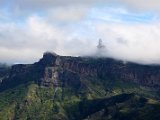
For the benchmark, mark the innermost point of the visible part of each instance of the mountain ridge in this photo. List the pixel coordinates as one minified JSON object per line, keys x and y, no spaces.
{"x":64,"y":87}
{"x":147,"y":75}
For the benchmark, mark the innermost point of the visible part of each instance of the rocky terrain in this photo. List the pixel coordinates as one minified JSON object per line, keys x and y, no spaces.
{"x":75,"y":88}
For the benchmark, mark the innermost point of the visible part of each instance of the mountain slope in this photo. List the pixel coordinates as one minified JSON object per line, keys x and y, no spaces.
{"x":75,"y":88}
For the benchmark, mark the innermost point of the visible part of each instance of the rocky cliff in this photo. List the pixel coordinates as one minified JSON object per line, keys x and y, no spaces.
{"x":55,"y":70}
{"x":104,"y":68}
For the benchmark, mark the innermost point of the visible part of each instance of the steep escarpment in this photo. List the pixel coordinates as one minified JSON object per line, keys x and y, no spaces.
{"x":53,"y":70}
{"x":108,"y":68}
{"x":104,"y":68}
{"x":75,"y":88}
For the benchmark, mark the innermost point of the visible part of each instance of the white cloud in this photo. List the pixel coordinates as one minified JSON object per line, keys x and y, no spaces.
{"x":67,"y":13}
{"x":67,"y":28}
{"x":24,"y":55}
{"x":29,"y":40}
{"x":27,"y":43}
{"x":133,"y":42}
{"x":150,"y":5}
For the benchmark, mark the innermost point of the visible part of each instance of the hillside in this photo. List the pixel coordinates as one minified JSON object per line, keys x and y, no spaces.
{"x":77,"y":88}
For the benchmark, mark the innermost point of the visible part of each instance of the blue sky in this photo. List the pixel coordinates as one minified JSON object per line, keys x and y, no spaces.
{"x":72,"y":27}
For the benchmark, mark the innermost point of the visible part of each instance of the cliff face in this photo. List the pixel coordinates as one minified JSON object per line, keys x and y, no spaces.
{"x":105,"y":68}
{"x":72,"y":68}
{"x":54,"y":70}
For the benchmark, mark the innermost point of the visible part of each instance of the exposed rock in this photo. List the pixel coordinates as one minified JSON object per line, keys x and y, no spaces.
{"x":54,"y":70}
{"x":57,"y":77}
{"x":48,"y":59}
{"x":51,"y":77}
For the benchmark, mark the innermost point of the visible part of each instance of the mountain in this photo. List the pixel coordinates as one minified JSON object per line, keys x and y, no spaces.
{"x":76,"y":88}
{"x":4,"y":70}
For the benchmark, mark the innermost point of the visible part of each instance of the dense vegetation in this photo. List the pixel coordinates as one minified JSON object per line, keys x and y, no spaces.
{"x":69,"y":88}
{"x":100,"y":99}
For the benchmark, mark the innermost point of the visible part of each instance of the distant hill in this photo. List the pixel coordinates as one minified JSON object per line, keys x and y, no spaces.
{"x":77,"y":88}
